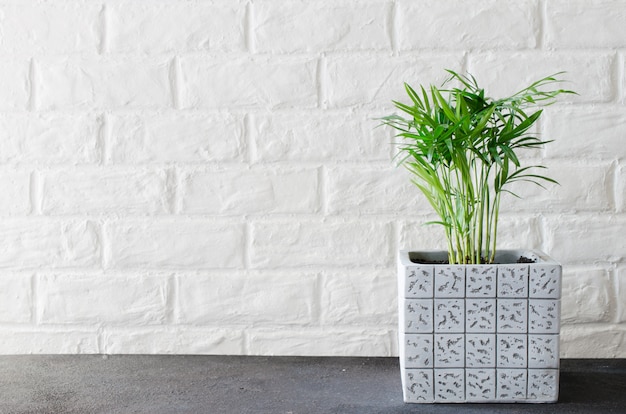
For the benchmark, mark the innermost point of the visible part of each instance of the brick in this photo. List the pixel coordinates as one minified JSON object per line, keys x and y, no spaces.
{"x":370,"y":190}
{"x":582,"y":187}
{"x":585,"y":238}
{"x":47,"y":340}
{"x":585,"y":24}
{"x":473,"y":24}
{"x":248,"y":82}
{"x":49,"y":138}
{"x":43,"y":243}
{"x":101,"y":298}
{"x":597,"y":341}
{"x":105,"y":190}
{"x":173,"y":138}
{"x":186,"y":340}
{"x":358,"y":298}
{"x":586,"y":296}
{"x":374,"y":81}
{"x":319,"y":136}
{"x":251,"y":191}
{"x":319,"y":243}
{"x":156,"y":27}
{"x":15,"y":85}
{"x":514,"y":231}
{"x":15,"y":198}
{"x":35,"y":28}
{"x":373,"y":341}
{"x":16,"y":298}
{"x":224,"y":299}
{"x":620,"y":292}
{"x":590,"y":74}
{"x":301,"y":26}
{"x":620,"y":188}
{"x":174,"y":243}
{"x":594,"y":132}
{"x":73,"y":83}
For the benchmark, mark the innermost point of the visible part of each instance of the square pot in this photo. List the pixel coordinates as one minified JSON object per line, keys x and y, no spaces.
{"x":479,"y":333}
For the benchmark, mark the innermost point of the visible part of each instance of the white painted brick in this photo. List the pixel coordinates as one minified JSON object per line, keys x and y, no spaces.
{"x":359,"y":298}
{"x":251,"y":191}
{"x":592,"y":341}
{"x":50,"y":27}
{"x":590,"y":74}
{"x":15,"y":86}
{"x":620,"y":189}
{"x":374,"y":81}
{"x":15,"y":196}
{"x":585,"y":238}
{"x":586,"y":296}
{"x":172,"y":138}
{"x":42,"y":243}
{"x":373,"y":341}
{"x":585,"y":24}
{"x":514,"y":232}
{"x":620,"y":292}
{"x":320,"y":137}
{"x":253,"y":299}
{"x":47,"y":340}
{"x":458,"y":24}
{"x":174,"y":243}
{"x":49,"y":138}
{"x":582,"y":187}
{"x":294,"y":244}
{"x":73,"y":83}
{"x":302,"y":26}
{"x":248,"y":82}
{"x":101,"y":299}
{"x":16,"y":298}
{"x":589,"y":132}
{"x":173,"y":340}
{"x":104,"y":190}
{"x":371,"y":190}
{"x":175,"y":27}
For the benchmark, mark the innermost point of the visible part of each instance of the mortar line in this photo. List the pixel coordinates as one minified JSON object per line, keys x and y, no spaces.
{"x":392,"y":24}
{"x":36,"y":193}
{"x":247,"y":28}
{"x":104,"y":46}
{"x":33,"y":98}
{"x":175,"y":83}
{"x":322,"y":98}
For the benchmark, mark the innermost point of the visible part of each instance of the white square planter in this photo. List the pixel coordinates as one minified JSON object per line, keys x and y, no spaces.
{"x":479,"y":333}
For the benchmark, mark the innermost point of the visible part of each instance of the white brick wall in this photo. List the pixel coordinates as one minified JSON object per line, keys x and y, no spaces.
{"x":205,"y":176}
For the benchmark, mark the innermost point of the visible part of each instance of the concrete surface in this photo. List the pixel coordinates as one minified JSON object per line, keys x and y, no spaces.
{"x":230,"y":384}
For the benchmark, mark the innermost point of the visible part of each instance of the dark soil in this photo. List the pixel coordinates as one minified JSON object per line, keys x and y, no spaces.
{"x":522,"y":259}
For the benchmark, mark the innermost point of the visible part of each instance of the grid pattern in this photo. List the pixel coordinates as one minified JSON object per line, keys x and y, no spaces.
{"x":481,"y":333}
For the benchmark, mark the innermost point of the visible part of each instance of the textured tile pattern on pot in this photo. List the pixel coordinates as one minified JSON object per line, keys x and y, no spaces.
{"x":512,"y":315}
{"x":480,"y":384}
{"x":419,"y":385}
{"x":449,"y":385}
{"x":419,"y":282}
{"x":419,"y":350}
{"x":449,"y":281}
{"x":511,"y":384}
{"x":449,"y":315}
{"x":480,"y":315}
{"x":543,"y":384}
{"x":511,"y":350}
{"x":545,"y":281}
{"x":513,"y":281}
{"x":480,"y":350}
{"x":418,"y":315}
{"x":449,"y":351}
{"x":543,"y":351}
{"x":480,"y":281}
{"x":543,"y":316}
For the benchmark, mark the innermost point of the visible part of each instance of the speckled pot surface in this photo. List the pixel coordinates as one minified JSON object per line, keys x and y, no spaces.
{"x":479,"y":333}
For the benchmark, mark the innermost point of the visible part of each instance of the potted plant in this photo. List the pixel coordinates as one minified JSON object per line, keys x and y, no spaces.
{"x":476,"y":324}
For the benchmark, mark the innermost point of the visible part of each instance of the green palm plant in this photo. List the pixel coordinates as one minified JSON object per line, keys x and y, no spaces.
{"x":461,"y":148}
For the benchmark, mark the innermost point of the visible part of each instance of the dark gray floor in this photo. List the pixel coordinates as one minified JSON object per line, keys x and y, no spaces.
{"x":224,"y":385}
